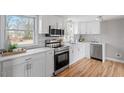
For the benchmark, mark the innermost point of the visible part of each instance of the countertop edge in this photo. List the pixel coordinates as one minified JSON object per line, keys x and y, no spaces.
{"x":29,"y":52}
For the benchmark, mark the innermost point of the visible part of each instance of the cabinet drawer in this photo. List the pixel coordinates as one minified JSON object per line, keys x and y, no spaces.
{"x":17,"y":61}
{"x":24,"y":59}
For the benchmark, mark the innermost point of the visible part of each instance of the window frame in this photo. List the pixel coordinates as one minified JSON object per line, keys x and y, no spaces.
{"x":35,"y":32}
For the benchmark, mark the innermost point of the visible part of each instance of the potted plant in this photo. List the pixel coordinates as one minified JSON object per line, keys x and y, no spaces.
{"x":11,"y":47}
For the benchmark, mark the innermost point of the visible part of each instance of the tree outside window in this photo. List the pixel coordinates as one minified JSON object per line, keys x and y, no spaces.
{"x":20,"y":29}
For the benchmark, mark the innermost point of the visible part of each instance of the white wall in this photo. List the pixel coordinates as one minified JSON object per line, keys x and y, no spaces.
{"x":112,"y":32}
{"x":113,"y":35}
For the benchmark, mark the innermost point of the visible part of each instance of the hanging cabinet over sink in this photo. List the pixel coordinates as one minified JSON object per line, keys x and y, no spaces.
{"x":92,"y":27}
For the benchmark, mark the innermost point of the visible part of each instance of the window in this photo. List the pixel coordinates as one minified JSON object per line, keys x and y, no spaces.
{"x":21,"y":30}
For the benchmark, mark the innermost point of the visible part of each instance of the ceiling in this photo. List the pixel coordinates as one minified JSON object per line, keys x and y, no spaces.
{"x":92,"y":17}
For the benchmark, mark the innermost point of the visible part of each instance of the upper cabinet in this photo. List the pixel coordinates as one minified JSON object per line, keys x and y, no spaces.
{"x":43,"y":24}
{"x":75,"y":27}
{"x":46,"y":20}
{"x":82,"y":28}
{"x":92,"y":27}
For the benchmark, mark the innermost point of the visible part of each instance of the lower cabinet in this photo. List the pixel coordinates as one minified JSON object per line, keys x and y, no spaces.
{"x":14,"y":68}
{"x":79,"y":51}
{"x":0,"y":70}
{"x":71,"y":55}
{"x":49,"y":64}
{"x":76,"y":52}
{"x":87,"y":50}
{"x":36,"y":65}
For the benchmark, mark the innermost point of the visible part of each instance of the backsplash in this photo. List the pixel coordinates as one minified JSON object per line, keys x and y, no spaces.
{"x":42,"y":38}
{"x":89,"y":37}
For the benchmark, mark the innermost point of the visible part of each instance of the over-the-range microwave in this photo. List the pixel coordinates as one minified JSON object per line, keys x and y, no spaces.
{"x":55,"y":32}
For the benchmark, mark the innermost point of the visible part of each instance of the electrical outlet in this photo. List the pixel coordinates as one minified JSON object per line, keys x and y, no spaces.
{"x":118,"y":55}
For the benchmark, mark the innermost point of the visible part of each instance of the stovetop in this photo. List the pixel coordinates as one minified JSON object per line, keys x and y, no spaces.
{"x":63,"y":47}
{"x":57,"y":44}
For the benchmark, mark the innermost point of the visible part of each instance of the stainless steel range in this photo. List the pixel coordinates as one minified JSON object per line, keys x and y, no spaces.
{"x":61,"y":55}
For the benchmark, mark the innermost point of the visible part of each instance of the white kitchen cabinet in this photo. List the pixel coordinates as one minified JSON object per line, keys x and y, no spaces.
{"x":28,"y":66}
{"x":46,"y":20}
{"x":93,"y":27}
{"x":38,"y":65}
{"x":77,"y":52}
{"x":43,"y":24}
{"x":81,"y":50}
{"x":0,"y":70}
{"x":71,"y":55}
{"x":87,"y":50}
{"x":49,"y":63}
{"x":75,"y":28}
{"x":14,"y":68}
{"x":82,"y":28}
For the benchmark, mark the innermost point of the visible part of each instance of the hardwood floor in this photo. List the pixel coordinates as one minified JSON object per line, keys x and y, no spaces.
{"x":93,"y":68}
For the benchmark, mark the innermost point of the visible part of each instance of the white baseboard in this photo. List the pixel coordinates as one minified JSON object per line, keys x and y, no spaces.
{"x":113,"y":59}
{"x":108,"y":58}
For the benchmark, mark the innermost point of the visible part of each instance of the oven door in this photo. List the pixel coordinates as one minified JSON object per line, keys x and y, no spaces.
{"x":58,"y":32}
{"x":61,"y":60}
{"x":62,"y":32}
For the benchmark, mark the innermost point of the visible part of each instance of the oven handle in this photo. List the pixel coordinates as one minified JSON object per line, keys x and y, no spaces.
{"x":61,"y":52}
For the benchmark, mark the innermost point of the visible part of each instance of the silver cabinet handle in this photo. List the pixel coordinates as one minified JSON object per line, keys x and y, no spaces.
{"x":28,"y":59}
{"x":28,"y":66}
{"x":29,"y":69}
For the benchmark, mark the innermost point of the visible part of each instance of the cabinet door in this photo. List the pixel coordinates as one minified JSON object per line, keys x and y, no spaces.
{"x":87,"y":50}
{"x":0,"y":70}
{"x":43,"y":24}
{"x":82,"y":28}
{"x":12,"y":69}
{"x":76,"y":53}
{"x":38,"y":65}
{"x":81,"y":50}
{"x":49,"y":63}
{"x":75,"y":28}
{"x":96,"y":28}
{"x":89,"y":28}
{"x":93,"y":27}
{"x":71,"y":55}
{"x":46,"y":20}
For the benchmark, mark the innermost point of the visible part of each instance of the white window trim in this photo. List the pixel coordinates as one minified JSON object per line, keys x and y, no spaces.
{"x":2,"y":32}
{"x":35,"y":35}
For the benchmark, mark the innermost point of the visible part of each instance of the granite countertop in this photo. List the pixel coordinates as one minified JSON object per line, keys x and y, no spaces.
{"x":28,"y":52}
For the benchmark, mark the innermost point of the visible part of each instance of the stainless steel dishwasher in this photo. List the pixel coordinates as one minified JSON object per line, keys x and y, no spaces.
{"x":96,"y":51}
